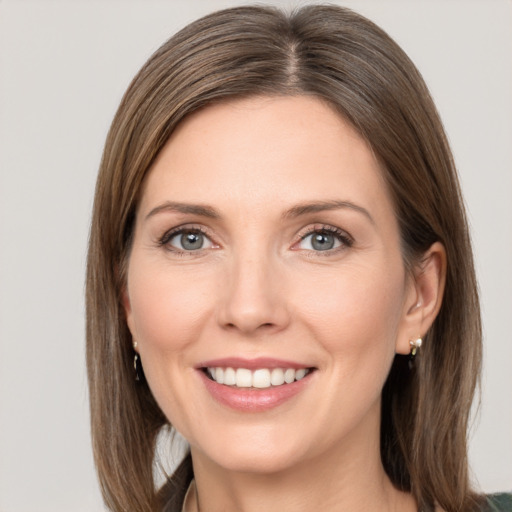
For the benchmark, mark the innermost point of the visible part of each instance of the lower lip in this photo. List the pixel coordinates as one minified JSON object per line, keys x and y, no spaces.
{"x":253,"y":399}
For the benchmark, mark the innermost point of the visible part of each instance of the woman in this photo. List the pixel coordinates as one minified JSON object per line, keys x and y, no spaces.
{"x":279,"y":247}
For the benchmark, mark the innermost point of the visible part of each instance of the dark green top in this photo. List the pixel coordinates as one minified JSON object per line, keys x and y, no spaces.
{"x":499,"y":502}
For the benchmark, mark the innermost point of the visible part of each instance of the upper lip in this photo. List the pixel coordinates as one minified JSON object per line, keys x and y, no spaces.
{"x":251,"y":364}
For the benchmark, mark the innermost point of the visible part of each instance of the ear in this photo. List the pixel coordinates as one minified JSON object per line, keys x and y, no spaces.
{"x":424,"y":297}
{"x":125,"y":299}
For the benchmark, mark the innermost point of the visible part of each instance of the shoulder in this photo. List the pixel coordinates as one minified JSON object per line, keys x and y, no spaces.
{"x":501,"y":502}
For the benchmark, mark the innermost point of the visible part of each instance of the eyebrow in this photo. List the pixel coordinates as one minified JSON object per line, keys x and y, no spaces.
{"x":295,"y":211}
{"x":320,"y":206}
{"x":194,"y":209}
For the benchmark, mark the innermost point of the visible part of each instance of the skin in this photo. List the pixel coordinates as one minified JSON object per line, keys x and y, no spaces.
{"x":258,"y":288}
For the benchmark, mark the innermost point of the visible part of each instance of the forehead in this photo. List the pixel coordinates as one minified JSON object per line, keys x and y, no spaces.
{"x":266,"y":151}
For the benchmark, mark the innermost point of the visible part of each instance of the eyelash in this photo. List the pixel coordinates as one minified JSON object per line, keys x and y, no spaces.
{"x":180,"y":230}
{"x":346,"y":241}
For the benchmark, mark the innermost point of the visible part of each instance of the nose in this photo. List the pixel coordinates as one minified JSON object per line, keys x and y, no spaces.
{"x":254,"y":297}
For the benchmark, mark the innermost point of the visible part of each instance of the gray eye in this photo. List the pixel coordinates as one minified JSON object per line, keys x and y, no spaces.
{"x":320,"y":241}
{"x":190,"y":241}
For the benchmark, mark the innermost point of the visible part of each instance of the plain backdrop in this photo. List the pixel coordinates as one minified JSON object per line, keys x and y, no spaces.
{"x":63,"y":68}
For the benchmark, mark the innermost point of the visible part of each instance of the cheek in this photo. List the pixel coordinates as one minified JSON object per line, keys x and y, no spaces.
{"x":354,"y":311}
{"x":167,"y":307}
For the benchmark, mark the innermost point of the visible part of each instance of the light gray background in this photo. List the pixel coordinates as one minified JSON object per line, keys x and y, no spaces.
{"x":63,"y":68}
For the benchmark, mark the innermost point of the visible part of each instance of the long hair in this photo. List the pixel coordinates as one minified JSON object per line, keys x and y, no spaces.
{"x":347,"y":61}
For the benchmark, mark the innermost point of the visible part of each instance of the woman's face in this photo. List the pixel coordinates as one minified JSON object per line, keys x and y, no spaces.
{"x":266,"y":248}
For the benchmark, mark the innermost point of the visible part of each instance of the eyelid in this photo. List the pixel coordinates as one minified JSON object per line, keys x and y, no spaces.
{"x":343,"y":236}
{"x":346,"y":240}
{"x":186,"y":228}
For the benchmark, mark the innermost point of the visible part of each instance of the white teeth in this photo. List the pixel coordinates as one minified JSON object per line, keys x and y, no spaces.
{"x":289,"y":375}
{"x":219,"y":375}
{"x":261,"y":378}
{"x":229,"y":377}
{"x":300,"y":374}
{"x":243,"y":378}
{"x":277,"y":377}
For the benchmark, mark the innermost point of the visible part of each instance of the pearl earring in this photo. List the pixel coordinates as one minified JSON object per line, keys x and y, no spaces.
{"x":415,"y":345}
{"x":137,"y":364}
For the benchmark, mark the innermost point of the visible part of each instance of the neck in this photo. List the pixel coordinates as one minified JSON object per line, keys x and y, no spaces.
{"x":349,"y":477}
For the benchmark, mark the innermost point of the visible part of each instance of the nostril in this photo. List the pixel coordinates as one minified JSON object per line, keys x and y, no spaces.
{"x":266,"y":325}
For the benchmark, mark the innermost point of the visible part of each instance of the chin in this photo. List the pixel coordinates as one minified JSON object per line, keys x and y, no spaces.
{"x":256,"y":463}
{"x":253,"y":453}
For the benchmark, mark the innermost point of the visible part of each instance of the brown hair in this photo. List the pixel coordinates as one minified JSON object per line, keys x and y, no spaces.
{"x":334,"y":54}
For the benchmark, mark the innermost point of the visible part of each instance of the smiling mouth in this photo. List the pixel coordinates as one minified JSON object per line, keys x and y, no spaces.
{"x":261,"y":378}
